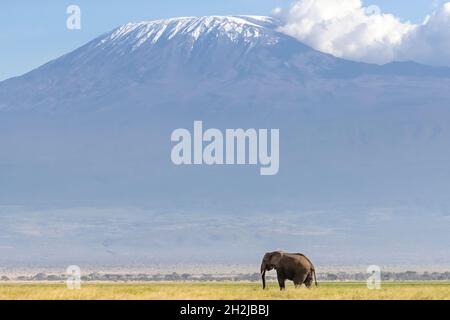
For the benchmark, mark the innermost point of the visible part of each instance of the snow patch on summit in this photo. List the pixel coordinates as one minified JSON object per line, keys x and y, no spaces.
{"x":234,"y":28}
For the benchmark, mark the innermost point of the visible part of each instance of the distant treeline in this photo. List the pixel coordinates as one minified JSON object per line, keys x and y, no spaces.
{"x":340,"y":276}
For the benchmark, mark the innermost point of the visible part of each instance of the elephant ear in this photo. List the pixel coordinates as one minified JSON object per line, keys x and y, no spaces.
{"x":275,"y":258}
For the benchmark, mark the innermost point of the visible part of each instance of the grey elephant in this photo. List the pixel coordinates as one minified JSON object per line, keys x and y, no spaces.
{"x":289,"y":266}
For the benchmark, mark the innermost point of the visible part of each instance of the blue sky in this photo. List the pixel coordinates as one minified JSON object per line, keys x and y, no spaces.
{"x":32,"y":33}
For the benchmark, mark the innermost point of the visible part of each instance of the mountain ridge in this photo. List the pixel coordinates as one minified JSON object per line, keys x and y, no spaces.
{"x":248,"y":50}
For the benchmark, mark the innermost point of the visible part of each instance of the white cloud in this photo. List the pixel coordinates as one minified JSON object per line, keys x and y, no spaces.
{"x":430,"y":42}
{"x":347,"y":29}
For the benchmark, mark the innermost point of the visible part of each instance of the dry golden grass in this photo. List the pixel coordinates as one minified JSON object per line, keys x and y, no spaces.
{"x":222,"y":291}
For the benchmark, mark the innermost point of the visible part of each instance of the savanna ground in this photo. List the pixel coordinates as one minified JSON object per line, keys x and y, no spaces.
{"x":223,"y":291}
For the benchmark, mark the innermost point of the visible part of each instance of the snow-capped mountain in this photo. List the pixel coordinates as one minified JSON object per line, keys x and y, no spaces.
{"x":195,"y":56}
{"x":363,"y":158}
{"x":149,"y":56}
{"x":234,"y":29}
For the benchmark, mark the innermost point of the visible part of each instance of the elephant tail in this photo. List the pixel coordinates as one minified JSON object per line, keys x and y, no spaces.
{"x":315,"y":278}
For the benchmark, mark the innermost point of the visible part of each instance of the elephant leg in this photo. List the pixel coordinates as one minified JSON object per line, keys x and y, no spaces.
{"x":308,"y":281}
{"x":281,"y":281}
{"x":299,"y":280}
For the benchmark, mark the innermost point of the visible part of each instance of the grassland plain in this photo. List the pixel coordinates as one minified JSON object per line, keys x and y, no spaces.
{"x":224,"y":291}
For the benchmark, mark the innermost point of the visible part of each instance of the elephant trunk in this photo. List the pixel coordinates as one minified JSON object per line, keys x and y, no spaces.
{"x":263,"y":275}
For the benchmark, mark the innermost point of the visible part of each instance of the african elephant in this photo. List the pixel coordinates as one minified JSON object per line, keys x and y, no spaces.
{"x":289,"y":266}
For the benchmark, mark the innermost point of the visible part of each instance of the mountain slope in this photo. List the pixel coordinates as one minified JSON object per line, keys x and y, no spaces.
{"x":199,"y":55}
{"x":143,"y":54}
{"x":85,"y":166}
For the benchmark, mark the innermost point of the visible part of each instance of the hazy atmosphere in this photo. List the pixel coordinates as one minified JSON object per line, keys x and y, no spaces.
{"x":357,"y":89}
